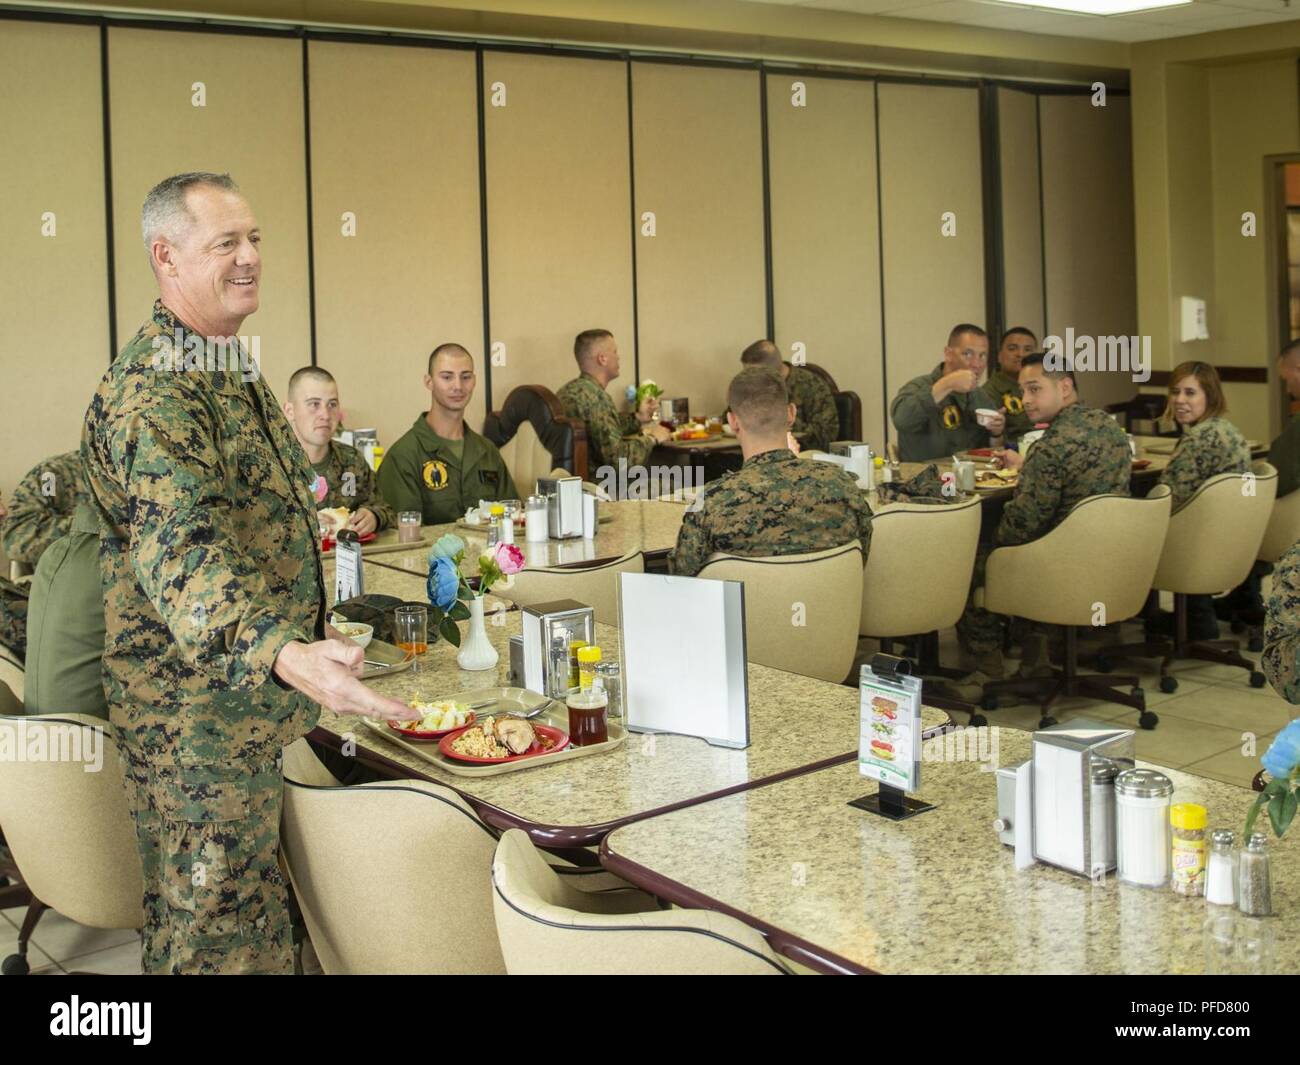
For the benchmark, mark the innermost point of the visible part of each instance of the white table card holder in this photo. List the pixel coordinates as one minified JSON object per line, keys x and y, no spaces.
{"x":682,"y":649}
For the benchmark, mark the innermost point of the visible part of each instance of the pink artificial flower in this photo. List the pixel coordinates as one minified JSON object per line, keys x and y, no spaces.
{"x":509,"y":558}
{"x":320,"y":488}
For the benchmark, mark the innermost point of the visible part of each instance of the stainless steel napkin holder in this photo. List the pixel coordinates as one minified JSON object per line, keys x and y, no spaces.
{"x":547,"y":631}
{"x":563,"y":506}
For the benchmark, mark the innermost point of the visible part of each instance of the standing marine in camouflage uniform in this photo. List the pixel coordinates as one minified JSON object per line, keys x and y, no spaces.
{"x":311,"y":406}
{"x":215,"y":654}
{"x":775,"y":504}
{"x":1281,"y":659}
{"x":440,"y":466}
{"x":1003,"y":387}
{"x":934,"y":414}
{"x":611,"y":436}
{"x":816,"y":421}
{"x":42,"y":507}
{"x":13,"y":611}
{"x":1083,"y":453}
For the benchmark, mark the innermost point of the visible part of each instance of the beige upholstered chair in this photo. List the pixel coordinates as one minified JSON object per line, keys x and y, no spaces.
{"x":545,"y":927}
{"x":1283,"y":528}
{"x":1212,"y":543}
{"x":826,"y":585}
{"x":596,"y":586}
{"x":1104,"y":553}
{"x":391,"y":877}
{"x":901,"y":598}
{"x":527,"y":458}
{"x":68,"y":826}
{"x":12,"y":674}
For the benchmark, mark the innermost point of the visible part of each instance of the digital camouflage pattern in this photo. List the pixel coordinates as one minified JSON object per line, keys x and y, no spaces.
{"x":1205,"y":449}
{"x":13,"y":619}
{"x":42,"y":506}
{"x":215,"y":900}
{"x":816,"y":421}
{"x":1004,"y":394}
{"x":1281,"y":659}
{"x":775,"y":504}
{"x":927,"y":431}
{"x":210,"y":564}
{"x":1284,"y":456}
{"x":1083,"y":453}
{"x":610,"y":435}
{"x":425,"y":472}
{"x":351,"y":483}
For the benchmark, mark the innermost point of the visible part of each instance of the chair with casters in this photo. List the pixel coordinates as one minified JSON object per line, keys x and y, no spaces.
{"x":1283,"y":530}
{"x":545,"y":927}
{"x":69,"y":830}
{"x":900,"y":597}
{"x":535,"y":436}
{"x":1103,"y":554}
{"x":1212,"y":543}
{"x":595,"y":585}
{"x":828,"y":585}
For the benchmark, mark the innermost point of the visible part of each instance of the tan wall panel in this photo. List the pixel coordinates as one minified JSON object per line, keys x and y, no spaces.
{"x":252,"y":127}
{"x":929,"y":164}
{"x":1088,"y":228}
{"x":700,"y":280}
{"x":559,"y":236}
{"x":1022,"y":220}
{"x":826,"y":233}
{"x":394,"y":140}
{"x":54,"y":329}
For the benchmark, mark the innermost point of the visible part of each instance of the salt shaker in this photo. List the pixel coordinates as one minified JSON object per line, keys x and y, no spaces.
{"x":1142,"y":826}
{"x":1254,"y":887}
{"x":1221,"y":878}
{"x":535,"y":520}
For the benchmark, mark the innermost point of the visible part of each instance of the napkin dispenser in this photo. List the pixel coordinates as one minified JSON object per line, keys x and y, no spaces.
{"x":548,"y":630}
{"x":563,"y":506}
{"x":860,"y":456}
{"x":1063,"y":797}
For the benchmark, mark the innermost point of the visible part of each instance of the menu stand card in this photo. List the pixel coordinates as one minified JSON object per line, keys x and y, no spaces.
{"x":687,"y":678}
{"x":889,"y":738}
{"x":348,"y":579}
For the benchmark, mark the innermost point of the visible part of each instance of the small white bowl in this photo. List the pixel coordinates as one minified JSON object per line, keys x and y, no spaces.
{"x":356,"y":631}
{"x":984,"y":415}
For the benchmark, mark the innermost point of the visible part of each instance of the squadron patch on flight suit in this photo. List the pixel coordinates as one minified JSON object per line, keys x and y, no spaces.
{"x":951,"y":417}
{"x":1012,"y":403}
{"x":435,"y":475}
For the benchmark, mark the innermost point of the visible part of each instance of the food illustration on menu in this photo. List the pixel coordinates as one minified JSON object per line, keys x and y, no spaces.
{"x":885,"y":750}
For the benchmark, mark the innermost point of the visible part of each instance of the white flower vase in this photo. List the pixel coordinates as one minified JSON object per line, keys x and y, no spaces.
{"x":476,"y":651}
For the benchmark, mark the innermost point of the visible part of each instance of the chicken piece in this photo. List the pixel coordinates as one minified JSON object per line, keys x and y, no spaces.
{"x":515,"y":734}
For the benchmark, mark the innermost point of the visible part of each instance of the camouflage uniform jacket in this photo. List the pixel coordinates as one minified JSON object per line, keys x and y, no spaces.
{"x":927,"y":431}
{"x":775,"y":504}
{"x":1207,"y":448}
{"x":209,"y":557}
{"x":610,"y":436}
{"x":1083,"y":453}
{"x":351,"y":483}
{"x":816,"y":421}
{"x":42,"y":507}
{"x":1004,"y":394}
{"x":1281,"y":659}
{"x":1285,"y":457}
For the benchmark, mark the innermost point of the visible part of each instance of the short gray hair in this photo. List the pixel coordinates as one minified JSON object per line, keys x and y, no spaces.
{"x":164,"y":209}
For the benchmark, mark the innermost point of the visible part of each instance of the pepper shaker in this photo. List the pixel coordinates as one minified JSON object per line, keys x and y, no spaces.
{"x":1254,"y":886}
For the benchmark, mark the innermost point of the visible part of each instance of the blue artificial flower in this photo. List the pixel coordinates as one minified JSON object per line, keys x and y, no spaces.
{"x":448,"y":546}
{"x":1283,"y":755}
{"x":443,"y":583}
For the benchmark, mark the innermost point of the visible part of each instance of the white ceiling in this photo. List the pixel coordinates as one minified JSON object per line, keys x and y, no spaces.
{"x":1202,"y":16}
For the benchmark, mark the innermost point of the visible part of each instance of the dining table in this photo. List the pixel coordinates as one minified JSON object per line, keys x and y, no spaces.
{"x":797,"y":725}
{"x":842,"y":890}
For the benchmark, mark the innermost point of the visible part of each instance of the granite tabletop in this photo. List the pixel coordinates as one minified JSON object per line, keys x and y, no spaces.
{"x":795,"y":722}
{"x":638,"y":525}
{"x":938,"y":893}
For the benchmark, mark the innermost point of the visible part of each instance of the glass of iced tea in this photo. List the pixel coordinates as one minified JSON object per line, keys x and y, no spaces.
{"x":587,"y":708}
{"x":411,"y":627}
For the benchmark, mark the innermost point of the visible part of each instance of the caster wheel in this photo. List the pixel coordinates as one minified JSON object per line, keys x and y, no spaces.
{"x":978,"y":721}
{"x":1256,"y":644}
{"x":1104,"y":664}
{"x":1168,"y":684}
{"x":1148,"y":720}
{"x":989,"y":701}
{"x":1237,"y":626}
{"x":15,"y":965}
{"x":1257,"y":679}
{"x":1046,"y":721}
